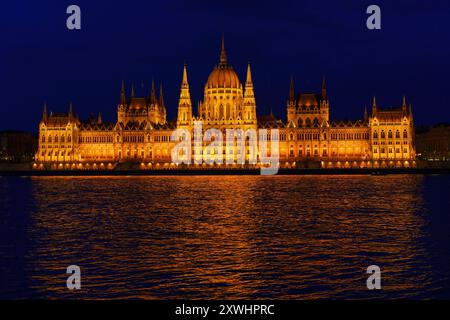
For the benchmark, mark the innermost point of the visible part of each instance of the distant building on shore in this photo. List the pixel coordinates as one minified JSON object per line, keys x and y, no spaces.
{"x":382,"y":138}
{"x":433,"y":144}
{"x":17,"y":146}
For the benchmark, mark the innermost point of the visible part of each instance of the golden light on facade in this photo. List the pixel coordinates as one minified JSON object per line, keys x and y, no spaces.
{"x":307,"y":133}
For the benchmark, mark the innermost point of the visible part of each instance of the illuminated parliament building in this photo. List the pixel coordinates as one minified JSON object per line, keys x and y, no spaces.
{"x":142,"y":133}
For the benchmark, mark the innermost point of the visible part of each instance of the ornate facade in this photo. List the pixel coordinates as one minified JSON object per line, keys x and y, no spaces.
{"x":142,"y":134}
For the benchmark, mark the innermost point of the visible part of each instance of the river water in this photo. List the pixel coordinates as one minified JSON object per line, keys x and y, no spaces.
{"x":225,"y":237}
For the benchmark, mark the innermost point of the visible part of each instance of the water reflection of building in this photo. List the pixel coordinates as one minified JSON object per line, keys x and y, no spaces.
{"x":142,"y":133}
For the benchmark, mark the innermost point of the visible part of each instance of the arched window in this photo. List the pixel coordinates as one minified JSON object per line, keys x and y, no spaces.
{"x":375,"y":134}
{"x":397,"y":134}
{"x":50,"y":139}
{"x":56,"y":139}
{"x":390,"y":134}
{"x":405,"y":134}
{"x":291,"y":137}
{"x":316,"y":121}
{"x":308,"y":122}
{"x":43,"y":138}
{"x":62,"y":139}
{"x":300,"y":122}
{"x":69,"y":138}
{"x":383,"y":135}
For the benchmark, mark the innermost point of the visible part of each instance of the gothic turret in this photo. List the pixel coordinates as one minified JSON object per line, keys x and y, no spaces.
{"x":324,"y":90}
{"x":123,"y":99}
{"x":122,"y":104}
{"x":44,"y":113}
{"x":70,"y":113}
{"x":249,"y":98}
{"x":162,"y":106}
{"x":153,"y":94}
{"x":374,"y":106}
{"x":291,"y":102}
{"x":184,"y":104}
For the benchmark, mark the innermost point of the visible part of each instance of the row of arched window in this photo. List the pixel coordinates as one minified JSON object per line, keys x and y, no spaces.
{"x":133,"y":139}
{"x":308,"y":122}
{"x":390,"y":134}
{"x":95,"y":139}
{"x":55,"y":139}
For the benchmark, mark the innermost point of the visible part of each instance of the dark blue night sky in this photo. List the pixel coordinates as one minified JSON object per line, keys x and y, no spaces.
{"x":41,"y":60}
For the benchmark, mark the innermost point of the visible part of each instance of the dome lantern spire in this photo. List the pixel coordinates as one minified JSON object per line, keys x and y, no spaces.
{"x":223,"y":54}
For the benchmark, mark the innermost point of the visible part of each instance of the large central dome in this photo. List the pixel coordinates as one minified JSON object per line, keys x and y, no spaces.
{"x":223,"y":75}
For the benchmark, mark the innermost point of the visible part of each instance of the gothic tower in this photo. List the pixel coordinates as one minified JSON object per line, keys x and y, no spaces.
{"x":249,"y":99}
{"x":291,"y":112}
{"x":184,"y":104}
{"x":122,"y":105}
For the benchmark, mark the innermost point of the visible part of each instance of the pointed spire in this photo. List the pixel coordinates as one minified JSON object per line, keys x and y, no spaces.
{"x":153,"y":94}
{"x":404,"y":107}
{"x":185,"y":97}
{"x":223,"y":54}
{"x":161,"y":96}
{"x":291,"y":90}
{"x":122,"y":94}
{"x":184,"y":82}
{"x":184,"y":103}
{"x":249,"y":75}
{"x":70,"y":109}
{"x":374,"y":106}
{"x":249,"y":95}
{"x":324,"y":89}
{"x":366,"y":115}
{"x":44,"y":113}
